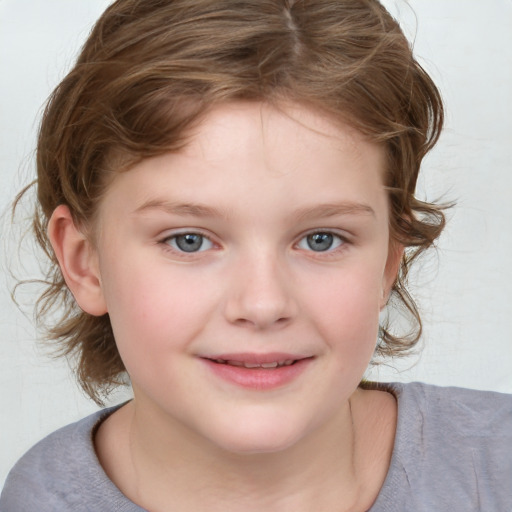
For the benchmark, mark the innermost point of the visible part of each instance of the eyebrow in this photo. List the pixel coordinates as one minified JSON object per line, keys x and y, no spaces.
{"x":320,"y":211}
{"x":196,"y":210}
{"x":323,"y":211}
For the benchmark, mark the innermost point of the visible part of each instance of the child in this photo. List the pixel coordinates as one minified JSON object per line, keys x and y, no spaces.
{"x":226,"y":191}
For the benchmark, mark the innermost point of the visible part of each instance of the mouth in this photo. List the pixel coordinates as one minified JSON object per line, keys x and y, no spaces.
{"x":258,"y":371}
{"x":254,"y":365}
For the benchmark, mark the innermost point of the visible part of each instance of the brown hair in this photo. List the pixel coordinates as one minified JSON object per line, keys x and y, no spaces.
{"x":152,"y":68}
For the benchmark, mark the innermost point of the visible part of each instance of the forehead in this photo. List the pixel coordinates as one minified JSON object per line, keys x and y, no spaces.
{"x":255,"y":156}
{"x":260,"y":129}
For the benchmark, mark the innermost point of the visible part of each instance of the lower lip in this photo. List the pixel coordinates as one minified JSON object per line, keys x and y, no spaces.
{"x":258,"y":378}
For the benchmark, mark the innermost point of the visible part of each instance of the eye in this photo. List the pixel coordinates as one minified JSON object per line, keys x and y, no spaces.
{"x":189,"y":242}
{"x":321,"y":241}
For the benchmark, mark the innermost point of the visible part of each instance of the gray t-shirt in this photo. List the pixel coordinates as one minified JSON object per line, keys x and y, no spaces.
{"x":453,"y":452}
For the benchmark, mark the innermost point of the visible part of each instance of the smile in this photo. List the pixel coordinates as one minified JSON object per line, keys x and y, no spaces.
{"x":251,"y":366}
{"x":258,"y":372}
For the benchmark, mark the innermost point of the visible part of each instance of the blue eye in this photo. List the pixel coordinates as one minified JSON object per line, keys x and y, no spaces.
{"x":321,"y":241}
{"x":189,"y":242}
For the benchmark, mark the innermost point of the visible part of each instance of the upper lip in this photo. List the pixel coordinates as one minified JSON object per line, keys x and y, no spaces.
{"x":254,"y":358}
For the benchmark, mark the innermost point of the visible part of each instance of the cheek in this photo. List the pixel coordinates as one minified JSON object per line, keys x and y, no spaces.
{"x":347,"y":308}
{"x":153,"y":307}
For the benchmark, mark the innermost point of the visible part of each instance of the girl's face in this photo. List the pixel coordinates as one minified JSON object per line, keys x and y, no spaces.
{"x":244,"y":275}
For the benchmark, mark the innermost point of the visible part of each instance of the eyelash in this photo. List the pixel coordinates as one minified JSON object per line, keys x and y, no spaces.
{"x":170,"y":243}
{"x":338,"y":241}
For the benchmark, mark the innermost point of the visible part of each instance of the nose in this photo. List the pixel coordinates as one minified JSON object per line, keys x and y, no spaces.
{"x":261,"y":294}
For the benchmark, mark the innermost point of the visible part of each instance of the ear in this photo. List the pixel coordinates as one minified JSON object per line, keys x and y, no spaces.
{"x":78,"y":261}
{"x":395,"y":253}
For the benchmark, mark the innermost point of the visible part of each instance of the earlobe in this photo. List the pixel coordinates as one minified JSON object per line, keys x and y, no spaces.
{"x":395,"y":254}
{"x":78,"y":261}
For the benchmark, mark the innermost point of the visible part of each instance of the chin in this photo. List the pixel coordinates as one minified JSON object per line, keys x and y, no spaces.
{"x":259,"y":437}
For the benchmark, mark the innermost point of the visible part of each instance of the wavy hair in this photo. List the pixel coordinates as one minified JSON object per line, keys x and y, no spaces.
{"x":150,"y":69}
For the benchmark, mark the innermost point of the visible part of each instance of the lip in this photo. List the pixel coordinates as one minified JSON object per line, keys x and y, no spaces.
{"x":258,"y":378}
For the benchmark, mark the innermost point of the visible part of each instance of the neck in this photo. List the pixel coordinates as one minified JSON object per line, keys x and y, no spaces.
{"x":327,"y":470}
{"x":339,"y":467}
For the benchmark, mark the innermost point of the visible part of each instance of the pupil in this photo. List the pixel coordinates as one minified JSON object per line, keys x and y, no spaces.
{"x":320,"y":241}
{"x":189,"y":242}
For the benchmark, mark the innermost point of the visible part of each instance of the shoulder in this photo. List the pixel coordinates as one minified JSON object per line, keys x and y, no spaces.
{"x":61,"y":472}
{"x":451,"y":415}
{"x":445,"y":420}
{"x":453,"y":448}
{"x":465,"y":412}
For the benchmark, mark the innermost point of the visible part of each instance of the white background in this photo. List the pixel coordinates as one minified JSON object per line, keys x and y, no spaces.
{"x":465,"y":290}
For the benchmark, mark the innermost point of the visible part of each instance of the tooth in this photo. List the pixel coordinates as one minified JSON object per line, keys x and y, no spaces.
{"x":273,"y":364}
{"x":252,"y":365}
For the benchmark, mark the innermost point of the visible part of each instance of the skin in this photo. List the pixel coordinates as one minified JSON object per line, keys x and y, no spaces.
{"x":254,"y":182}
